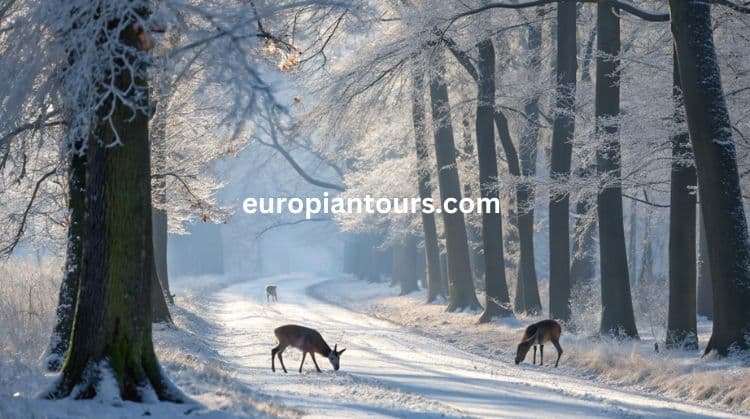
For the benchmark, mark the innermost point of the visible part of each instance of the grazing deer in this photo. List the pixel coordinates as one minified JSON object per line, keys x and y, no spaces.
{"x":271,"y":292}
{"x":539,"y":334}
{"x":306,"y":340}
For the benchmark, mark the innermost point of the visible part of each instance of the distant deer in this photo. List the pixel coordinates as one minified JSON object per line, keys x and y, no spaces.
{"x":306,"y":340}
{"x":539,"y":334}
{"x":271,"y":292}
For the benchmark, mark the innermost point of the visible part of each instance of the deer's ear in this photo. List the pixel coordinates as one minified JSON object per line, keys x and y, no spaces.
{"x":341,"y":351}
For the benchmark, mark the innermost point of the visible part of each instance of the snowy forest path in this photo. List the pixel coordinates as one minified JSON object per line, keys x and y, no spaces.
{"x":389,"y":371}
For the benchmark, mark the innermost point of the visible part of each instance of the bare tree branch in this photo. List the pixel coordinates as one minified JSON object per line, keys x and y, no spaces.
{"x":8,"y":249}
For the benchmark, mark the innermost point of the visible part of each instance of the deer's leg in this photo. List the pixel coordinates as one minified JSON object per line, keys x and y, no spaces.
{"x":533,"y":362}
{"x":304,"y":354}
{"x":559,"y":351}
{"x":312,"y":354}
{"x":281,"y":360}
{"x":541,"y":354}
{"x":273,"y":358}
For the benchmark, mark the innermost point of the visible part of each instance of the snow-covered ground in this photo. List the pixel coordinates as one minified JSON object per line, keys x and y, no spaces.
{"x":630,"y":366}
{"x":389,"y":370}
{"x":220,"y":355}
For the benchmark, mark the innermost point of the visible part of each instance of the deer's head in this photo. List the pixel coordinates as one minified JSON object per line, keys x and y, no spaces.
{"x":334,"y":356}
{"x":523,"y":349}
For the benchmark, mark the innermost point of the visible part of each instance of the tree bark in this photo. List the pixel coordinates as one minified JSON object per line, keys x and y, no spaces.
{"x":718,"y":179}
{"x":461,"y":294}
{"x":705,"y":293}
{"x":562,"y":149}
{"x":497,"y":303}
{"x":112,"y":325}
{"x":68,"y":296}
{"x":432,"y":250}
{"x":682,"y":330}
{"x":617,"y":303}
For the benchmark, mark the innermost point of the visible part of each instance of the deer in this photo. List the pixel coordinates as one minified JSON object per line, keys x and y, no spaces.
{"x":271,"y":292}
{"x":537,"y":335}
{"x":306,"y":340}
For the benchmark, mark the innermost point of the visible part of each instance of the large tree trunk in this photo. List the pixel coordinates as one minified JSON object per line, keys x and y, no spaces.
{"x":705,"y":293}
{"x":718,"y":179}
{"x":682,"y":330}
{"x":71,"y":276}
{"x":112,"y":325}
{"x":432,"y":250}
{"x":617,"y":303}
{"x":497,"y":303}
{"x":461,"y":294}
{"x":562,"y":135}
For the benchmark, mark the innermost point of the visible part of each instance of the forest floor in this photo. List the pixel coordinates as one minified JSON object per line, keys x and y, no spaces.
{"x":219,"y":355}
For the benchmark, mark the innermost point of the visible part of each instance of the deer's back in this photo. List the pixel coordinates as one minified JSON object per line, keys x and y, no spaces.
{"x":302,"y":338}
{"x":543,"y":331}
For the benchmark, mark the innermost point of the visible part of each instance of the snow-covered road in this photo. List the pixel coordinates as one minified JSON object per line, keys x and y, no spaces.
{"x":389,"y":371}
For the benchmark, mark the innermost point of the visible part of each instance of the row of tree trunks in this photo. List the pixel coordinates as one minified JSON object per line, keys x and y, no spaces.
{"x":497,"y":302}
{"x":461,"y":293}
{"x":432,"y":250}
{"x":617,"y":305}
{"x":562,"y":134}
{"x":720,"y":194}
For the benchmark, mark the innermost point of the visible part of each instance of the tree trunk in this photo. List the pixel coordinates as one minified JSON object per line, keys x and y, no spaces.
{"x":583,"y":267}
{"x":461,"y":294}
{"x":633,"y":241}
{"x":497,"y":303}
{"x":158,"y":149}
{"x":562,"y":135}
{"x":617,"y":302}
{"x":647,"y":256}
{"x":718,"y":179}
{"x":705,"y":294}
{"x":112,"y":325}
{"x":159,"y":308}
{"x":526,"y":229}
{"x":473,"y":233}
{"x":68,"y":296}
{"x":530,"y":303}
{"x":405,"y":265}
{"x":682,"y":330}
{"x":432,"y":250}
